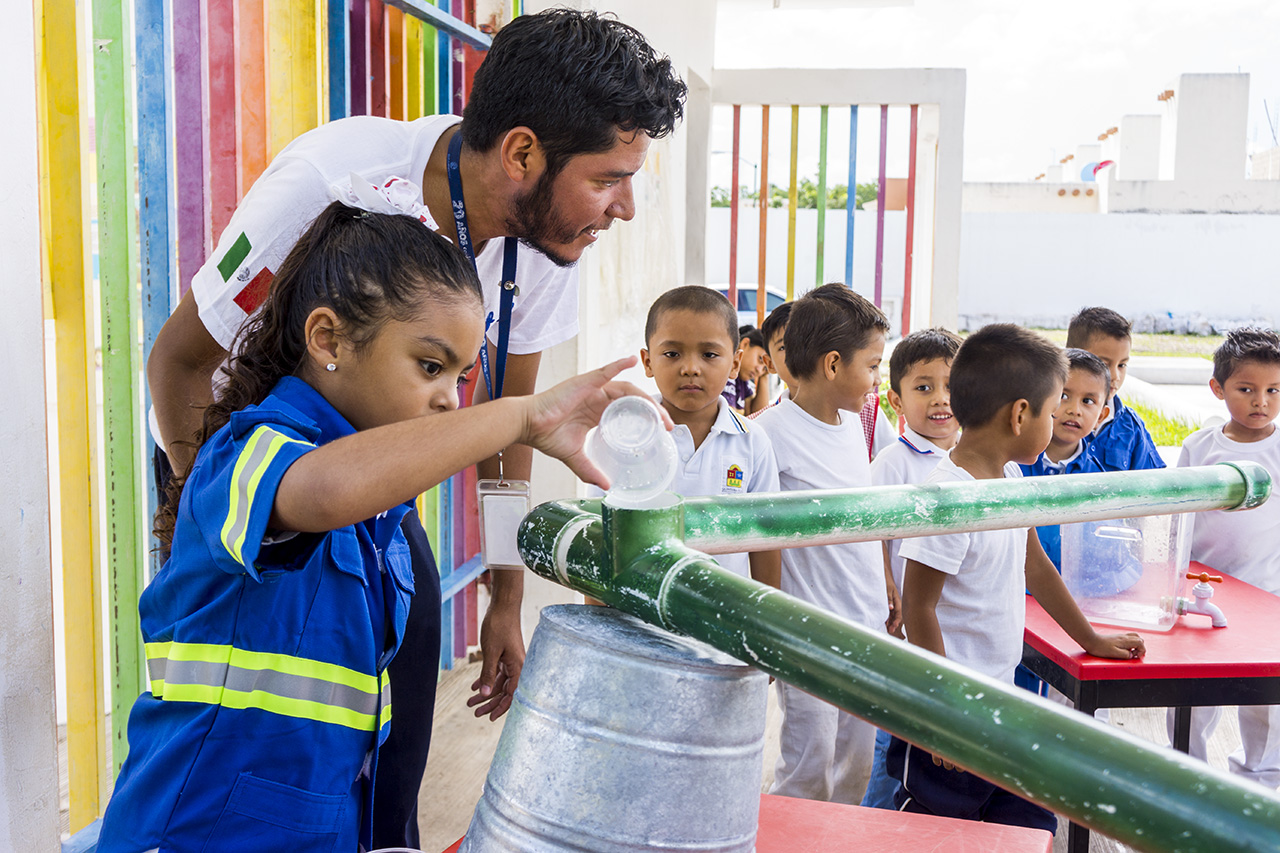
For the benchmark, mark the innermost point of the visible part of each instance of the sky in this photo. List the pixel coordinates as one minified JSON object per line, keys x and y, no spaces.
{"x":1042,"y":77}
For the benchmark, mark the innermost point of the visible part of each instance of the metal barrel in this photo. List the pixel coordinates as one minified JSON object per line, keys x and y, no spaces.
{"x":621,"y":738}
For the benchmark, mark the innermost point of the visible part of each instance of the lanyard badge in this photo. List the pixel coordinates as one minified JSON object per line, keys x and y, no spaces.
{"x":502,"y":503}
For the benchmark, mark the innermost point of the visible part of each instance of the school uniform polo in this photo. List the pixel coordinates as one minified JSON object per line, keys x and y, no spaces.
{"x":909,"y":460}
{"x":267,"y":656}
{"x":1122,"y":442}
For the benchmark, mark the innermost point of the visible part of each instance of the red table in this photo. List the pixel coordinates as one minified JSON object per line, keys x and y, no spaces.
{"x":1192,"y":664}
{"x":804,"y":826}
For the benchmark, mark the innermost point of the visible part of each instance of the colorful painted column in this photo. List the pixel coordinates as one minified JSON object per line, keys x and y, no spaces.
{"x":851,"y":202}
{"x":761,"y":297}
{"x":882,"y":191}
{"x":734,"y":201}
{"x":395,"y":64}
{"x":293,"y":96}
{"x":251,"y":106}
{"x":792,"y":204}
{"x":377,"y":59}
{"x":189,"y":139}
{"x":65,"y":249}
{"x":339,"y":62}
{"x":113,"y":114}
{"x":822,"y":197}
{"x":911,"y":222}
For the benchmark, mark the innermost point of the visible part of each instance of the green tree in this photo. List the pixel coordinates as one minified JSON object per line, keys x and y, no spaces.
{"x":806,"y":195}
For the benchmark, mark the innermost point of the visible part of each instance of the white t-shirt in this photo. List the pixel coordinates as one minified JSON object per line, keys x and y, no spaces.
{"x":908,"y":461}
{"x":735,"y":458}
{"x":299,"y":184}
{"x":983,"y":608}
{"x":1246,"y":543}
{"x":846,"y":579}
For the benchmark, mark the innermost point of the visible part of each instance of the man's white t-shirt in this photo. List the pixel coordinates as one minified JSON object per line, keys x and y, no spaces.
{"x":1245,"y":543}
{"x":300,"y":183}
{"x":735,"y":458}
{"x":909,"y":460}
{"x":846,"y":579}
{"x":983,"y":607}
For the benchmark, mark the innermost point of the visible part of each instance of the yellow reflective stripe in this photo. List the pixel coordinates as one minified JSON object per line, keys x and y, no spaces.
{"x":244,"y":659}
{"x":298,"y":708}
{"x":250,"y":466}
{"x":230,"y":664}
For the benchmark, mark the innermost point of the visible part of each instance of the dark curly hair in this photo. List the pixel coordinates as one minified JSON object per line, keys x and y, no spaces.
{"x":575,"y":79}
{"x":369,"y":268}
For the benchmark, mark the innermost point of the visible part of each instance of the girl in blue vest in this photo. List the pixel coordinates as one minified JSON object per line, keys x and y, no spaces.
{"x":269,"y":629}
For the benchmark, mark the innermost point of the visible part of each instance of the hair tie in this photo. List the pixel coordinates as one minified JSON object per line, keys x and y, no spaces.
{"x":396,"y":196}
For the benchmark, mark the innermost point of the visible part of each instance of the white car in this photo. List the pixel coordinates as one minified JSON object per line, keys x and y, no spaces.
{"x":747,"y":302}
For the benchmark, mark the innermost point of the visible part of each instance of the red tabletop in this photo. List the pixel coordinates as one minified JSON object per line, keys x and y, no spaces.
{"x":1249,"y":647}
{"x":805,"y":826}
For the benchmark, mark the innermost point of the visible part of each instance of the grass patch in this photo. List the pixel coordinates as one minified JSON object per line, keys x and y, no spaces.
{"x":1165,"y":431}
{"x":1197,"y":346}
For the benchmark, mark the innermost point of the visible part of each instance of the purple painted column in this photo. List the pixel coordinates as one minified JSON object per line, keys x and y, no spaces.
{"x":188,"y":113}
{"x":881,"y":191}
{"x":359,"y":51}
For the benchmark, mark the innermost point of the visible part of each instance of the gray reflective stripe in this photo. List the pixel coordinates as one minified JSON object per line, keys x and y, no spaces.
{"x":261,"y":441}
{"x":204,"y":673}
{"x":386,"y":692}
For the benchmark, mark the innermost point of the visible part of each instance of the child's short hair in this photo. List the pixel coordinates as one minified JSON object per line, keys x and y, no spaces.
{"x":752,"y":336}
{"x":1097,"y":321}
{"x":924,"y":345}
{"x":829,"y":318}
{"x":1251,"y":343}
{"x":776,"y":322}
{"x":694,"y":297}
{"x":999,"y":364}
{"x":1082,"y":359}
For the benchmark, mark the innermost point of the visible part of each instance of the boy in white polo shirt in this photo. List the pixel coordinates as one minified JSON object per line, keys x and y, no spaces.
{"x":691,"y":351}
{"x":1246,"y":545}
{"x":963,"y":593}
{"x":834,"y":344}
{"x":920,"y":392}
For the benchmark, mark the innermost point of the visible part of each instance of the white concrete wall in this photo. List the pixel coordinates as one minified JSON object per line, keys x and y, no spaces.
{"x":1040,"y":269}
{"x":28,"y":729}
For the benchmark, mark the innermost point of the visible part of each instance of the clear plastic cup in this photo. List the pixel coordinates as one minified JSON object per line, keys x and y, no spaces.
{"x":634,"y":449}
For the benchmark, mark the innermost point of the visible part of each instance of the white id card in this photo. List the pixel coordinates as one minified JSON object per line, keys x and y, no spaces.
{"x":503,"y":505}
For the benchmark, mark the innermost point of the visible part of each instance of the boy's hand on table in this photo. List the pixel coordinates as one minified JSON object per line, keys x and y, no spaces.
{"x":1127,"y":646}
{"x":944,"y":764}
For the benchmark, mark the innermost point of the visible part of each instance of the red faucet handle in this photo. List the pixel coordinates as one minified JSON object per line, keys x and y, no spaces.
{"x":1204,"y":577}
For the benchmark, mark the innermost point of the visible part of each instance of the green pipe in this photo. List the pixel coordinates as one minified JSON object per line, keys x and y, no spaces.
{"x":734,"y":523}
{"x":1150,"y":798}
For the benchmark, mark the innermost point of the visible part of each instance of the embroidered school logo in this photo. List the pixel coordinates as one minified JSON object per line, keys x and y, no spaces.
{"x":733,"y":477}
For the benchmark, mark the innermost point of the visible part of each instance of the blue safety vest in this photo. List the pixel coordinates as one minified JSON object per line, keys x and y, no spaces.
{"x":1123,"y":443}
{"x":266,"y":654}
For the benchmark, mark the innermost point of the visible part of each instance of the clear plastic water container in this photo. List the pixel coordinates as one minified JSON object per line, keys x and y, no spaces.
{"x":1128,"y":572}
{"x":636,"y":452}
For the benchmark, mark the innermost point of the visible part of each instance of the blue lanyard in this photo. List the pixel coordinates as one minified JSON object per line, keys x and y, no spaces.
{"x":509,"y":289}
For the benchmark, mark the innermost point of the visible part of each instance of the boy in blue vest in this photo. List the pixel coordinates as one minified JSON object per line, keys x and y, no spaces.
{"x":1111,"y":567}
{"x":1121,"y":441}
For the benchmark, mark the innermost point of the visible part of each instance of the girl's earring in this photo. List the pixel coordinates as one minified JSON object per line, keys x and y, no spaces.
{"x":331,"y":367}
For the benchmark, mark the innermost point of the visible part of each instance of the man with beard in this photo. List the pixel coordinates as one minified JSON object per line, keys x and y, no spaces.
{"x":560,"y":118}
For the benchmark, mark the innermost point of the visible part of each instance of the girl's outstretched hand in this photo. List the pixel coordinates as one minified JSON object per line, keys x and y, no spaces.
{"x":557,"y":420}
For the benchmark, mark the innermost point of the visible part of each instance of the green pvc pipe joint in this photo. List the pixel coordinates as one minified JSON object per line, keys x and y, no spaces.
{"x":1150,"y":798}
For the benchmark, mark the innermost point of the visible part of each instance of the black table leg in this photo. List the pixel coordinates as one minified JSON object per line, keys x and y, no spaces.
{"x":1182,"y":728}
{"x":1086,"y":702}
